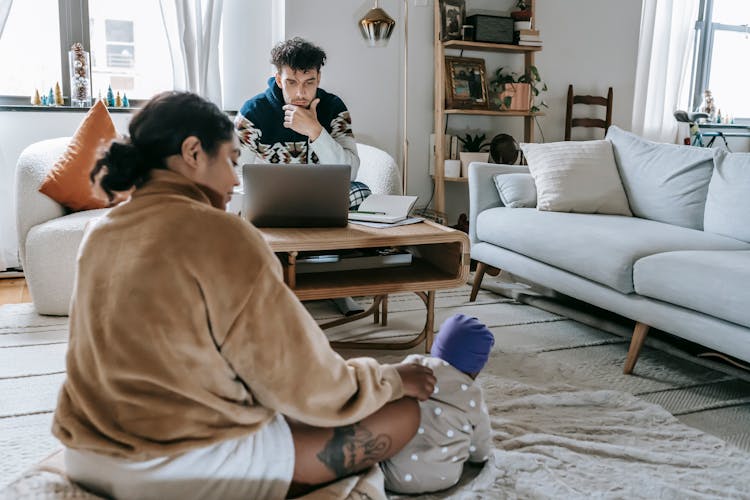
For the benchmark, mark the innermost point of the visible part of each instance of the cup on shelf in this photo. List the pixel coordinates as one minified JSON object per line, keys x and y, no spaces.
{"x":467,"y":32}
{"x":452,"y":168}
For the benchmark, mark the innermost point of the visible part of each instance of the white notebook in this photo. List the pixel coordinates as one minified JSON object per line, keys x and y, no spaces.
{"x":384,"y":208}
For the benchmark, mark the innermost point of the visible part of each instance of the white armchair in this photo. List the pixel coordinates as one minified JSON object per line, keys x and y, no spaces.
{"x":378,"y":170}
{"x":49,"y":237}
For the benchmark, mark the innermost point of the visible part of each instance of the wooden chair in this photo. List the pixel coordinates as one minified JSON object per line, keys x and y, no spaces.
{"x":571,"y":122}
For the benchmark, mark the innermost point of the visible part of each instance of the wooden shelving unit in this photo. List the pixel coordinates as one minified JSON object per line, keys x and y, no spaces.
{"x":441,"y":113}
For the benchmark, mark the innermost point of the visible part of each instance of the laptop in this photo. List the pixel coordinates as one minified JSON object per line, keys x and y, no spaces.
{"x":296,"y":195}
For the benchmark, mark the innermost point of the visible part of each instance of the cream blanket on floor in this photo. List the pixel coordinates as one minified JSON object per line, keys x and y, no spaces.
{"x":552,"y":440}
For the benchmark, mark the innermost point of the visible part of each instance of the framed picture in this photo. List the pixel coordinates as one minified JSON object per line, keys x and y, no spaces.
{"x":466,"y":84}
{"x":452,"y":15}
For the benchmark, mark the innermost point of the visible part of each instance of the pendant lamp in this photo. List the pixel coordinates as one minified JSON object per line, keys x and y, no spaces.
{"x":376,"y":27}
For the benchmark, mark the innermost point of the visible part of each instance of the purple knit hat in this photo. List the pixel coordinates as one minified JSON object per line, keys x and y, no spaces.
{"x":463,"y":342}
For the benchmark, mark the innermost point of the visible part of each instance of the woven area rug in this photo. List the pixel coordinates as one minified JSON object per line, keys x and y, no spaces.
{"x":566,"y":422}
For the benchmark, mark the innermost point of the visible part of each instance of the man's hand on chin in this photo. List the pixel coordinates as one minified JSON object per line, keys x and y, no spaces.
{"x":303,"y":120}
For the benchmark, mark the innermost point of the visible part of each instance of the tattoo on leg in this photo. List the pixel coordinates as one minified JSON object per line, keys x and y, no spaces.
{"x":353,"y":448}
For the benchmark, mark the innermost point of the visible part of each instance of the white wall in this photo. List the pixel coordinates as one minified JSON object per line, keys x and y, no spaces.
{"x":248,"y":35}
{"x":592,"y":44}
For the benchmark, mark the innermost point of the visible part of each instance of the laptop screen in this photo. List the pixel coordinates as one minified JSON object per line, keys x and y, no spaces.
{"x":296,"y":195}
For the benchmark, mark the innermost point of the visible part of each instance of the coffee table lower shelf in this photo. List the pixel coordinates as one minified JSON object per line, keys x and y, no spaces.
{"x":440,"y":260}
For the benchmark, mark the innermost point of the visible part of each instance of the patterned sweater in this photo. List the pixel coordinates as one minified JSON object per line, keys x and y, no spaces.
{"x":260,"y":127}
{"x":183,"y":334}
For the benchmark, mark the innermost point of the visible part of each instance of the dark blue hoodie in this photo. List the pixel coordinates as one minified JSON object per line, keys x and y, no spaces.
{"x":260,"y":125}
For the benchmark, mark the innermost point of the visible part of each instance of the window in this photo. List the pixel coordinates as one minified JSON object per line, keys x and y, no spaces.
{"x":127,"y":42}
{"x":129,"y":49}
{"x":31,"y":58}
{"x":722,"y":47}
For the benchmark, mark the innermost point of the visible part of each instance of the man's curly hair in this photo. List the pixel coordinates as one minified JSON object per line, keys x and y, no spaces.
{"x":298,"y":54}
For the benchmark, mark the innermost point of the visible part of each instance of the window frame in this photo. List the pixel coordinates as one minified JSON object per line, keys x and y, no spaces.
{"x":704,"y":43}
{"x":74,"y":27}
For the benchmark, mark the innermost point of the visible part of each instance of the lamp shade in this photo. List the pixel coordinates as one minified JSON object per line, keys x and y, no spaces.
{"x":376,"y":27}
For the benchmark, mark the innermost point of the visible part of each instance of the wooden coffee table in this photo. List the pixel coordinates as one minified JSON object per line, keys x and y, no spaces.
{"x":440,"y":260}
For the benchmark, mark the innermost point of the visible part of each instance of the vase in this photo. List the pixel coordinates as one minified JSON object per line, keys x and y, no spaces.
{"x":468,"y":157}
{"x":520,"y":97}
{"x":80,"y":78}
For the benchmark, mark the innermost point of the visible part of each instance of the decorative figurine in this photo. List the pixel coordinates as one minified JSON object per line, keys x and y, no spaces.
{"x":35,"y":99}
{"x":110,"y":97}
{"x":125,"y":102}
{"x":59,"y":101}
{"x":118,"y":100}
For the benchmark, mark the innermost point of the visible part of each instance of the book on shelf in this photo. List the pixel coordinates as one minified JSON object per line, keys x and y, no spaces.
{"x":529,"y":43}
{"x":529,"y":38}
{"x":450,"y":150}
{"x":455,"y":148}
{"x":352,"y":260}
{"x":527,"y":32}
{"x":446,"y":150}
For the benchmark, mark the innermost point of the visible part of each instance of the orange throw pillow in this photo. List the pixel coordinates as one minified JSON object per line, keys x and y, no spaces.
{"x":68,"y":182}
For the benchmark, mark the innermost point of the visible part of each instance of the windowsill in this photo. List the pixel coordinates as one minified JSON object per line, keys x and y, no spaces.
{"x":73,"y":109}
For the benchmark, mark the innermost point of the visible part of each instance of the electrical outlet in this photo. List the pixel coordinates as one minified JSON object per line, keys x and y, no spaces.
{"x":420,"y":3}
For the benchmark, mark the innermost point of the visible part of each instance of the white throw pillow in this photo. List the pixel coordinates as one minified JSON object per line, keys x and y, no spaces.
{"x":576,"y":176}
{"x":516,"y":190}
{"x":728,"y":203}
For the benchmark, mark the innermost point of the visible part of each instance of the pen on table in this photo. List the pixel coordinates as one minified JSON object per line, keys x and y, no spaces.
{"x":365,"y":212}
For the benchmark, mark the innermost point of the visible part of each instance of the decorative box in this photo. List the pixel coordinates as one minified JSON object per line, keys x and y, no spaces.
{"x":492,"y":29}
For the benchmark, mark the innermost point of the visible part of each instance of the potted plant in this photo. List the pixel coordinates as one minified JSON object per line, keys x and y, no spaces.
{"x":513,"y":92}
{"x":524,"y":11}
{"x":472,"y":151}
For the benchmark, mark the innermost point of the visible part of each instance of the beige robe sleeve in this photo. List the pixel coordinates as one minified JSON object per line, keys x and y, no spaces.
{"x":281,"y":354}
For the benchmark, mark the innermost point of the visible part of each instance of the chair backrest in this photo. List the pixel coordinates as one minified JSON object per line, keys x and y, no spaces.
{"x":571,"y":122}
{"x":33,"y":207}
{"x":378,"y":170}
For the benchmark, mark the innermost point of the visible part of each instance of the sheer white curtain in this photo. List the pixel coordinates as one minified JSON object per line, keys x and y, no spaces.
{"x":4,"y":11}
{"x":662,"y":76}
{"x":193,"y":29}
{"x":7,"y":236}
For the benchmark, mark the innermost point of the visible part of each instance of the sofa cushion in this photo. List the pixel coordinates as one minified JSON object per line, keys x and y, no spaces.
{"x":664,"y":182}
{"x":68,"y":182}
{"x":576,"y":176}
{"x":602,"y":248}
{"x":728,"y":203}
{"x":516,"y":190}
{"x":711,"y":282}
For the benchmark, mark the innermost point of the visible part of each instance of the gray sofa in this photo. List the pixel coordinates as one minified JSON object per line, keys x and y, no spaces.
{"x":680,"y":264}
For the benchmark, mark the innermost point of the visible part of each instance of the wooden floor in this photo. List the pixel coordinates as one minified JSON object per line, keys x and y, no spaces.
{"x":13,"y":291}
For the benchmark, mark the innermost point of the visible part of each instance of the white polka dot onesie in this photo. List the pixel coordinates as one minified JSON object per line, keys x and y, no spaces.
{"x":455,"y":427}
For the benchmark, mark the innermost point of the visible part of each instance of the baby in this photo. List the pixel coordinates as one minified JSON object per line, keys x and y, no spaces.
{"x":455,"y":426}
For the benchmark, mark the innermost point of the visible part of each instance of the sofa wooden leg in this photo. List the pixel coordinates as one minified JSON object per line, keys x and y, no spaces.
{"x":639,"y":335}
{"x":482,"y":268}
